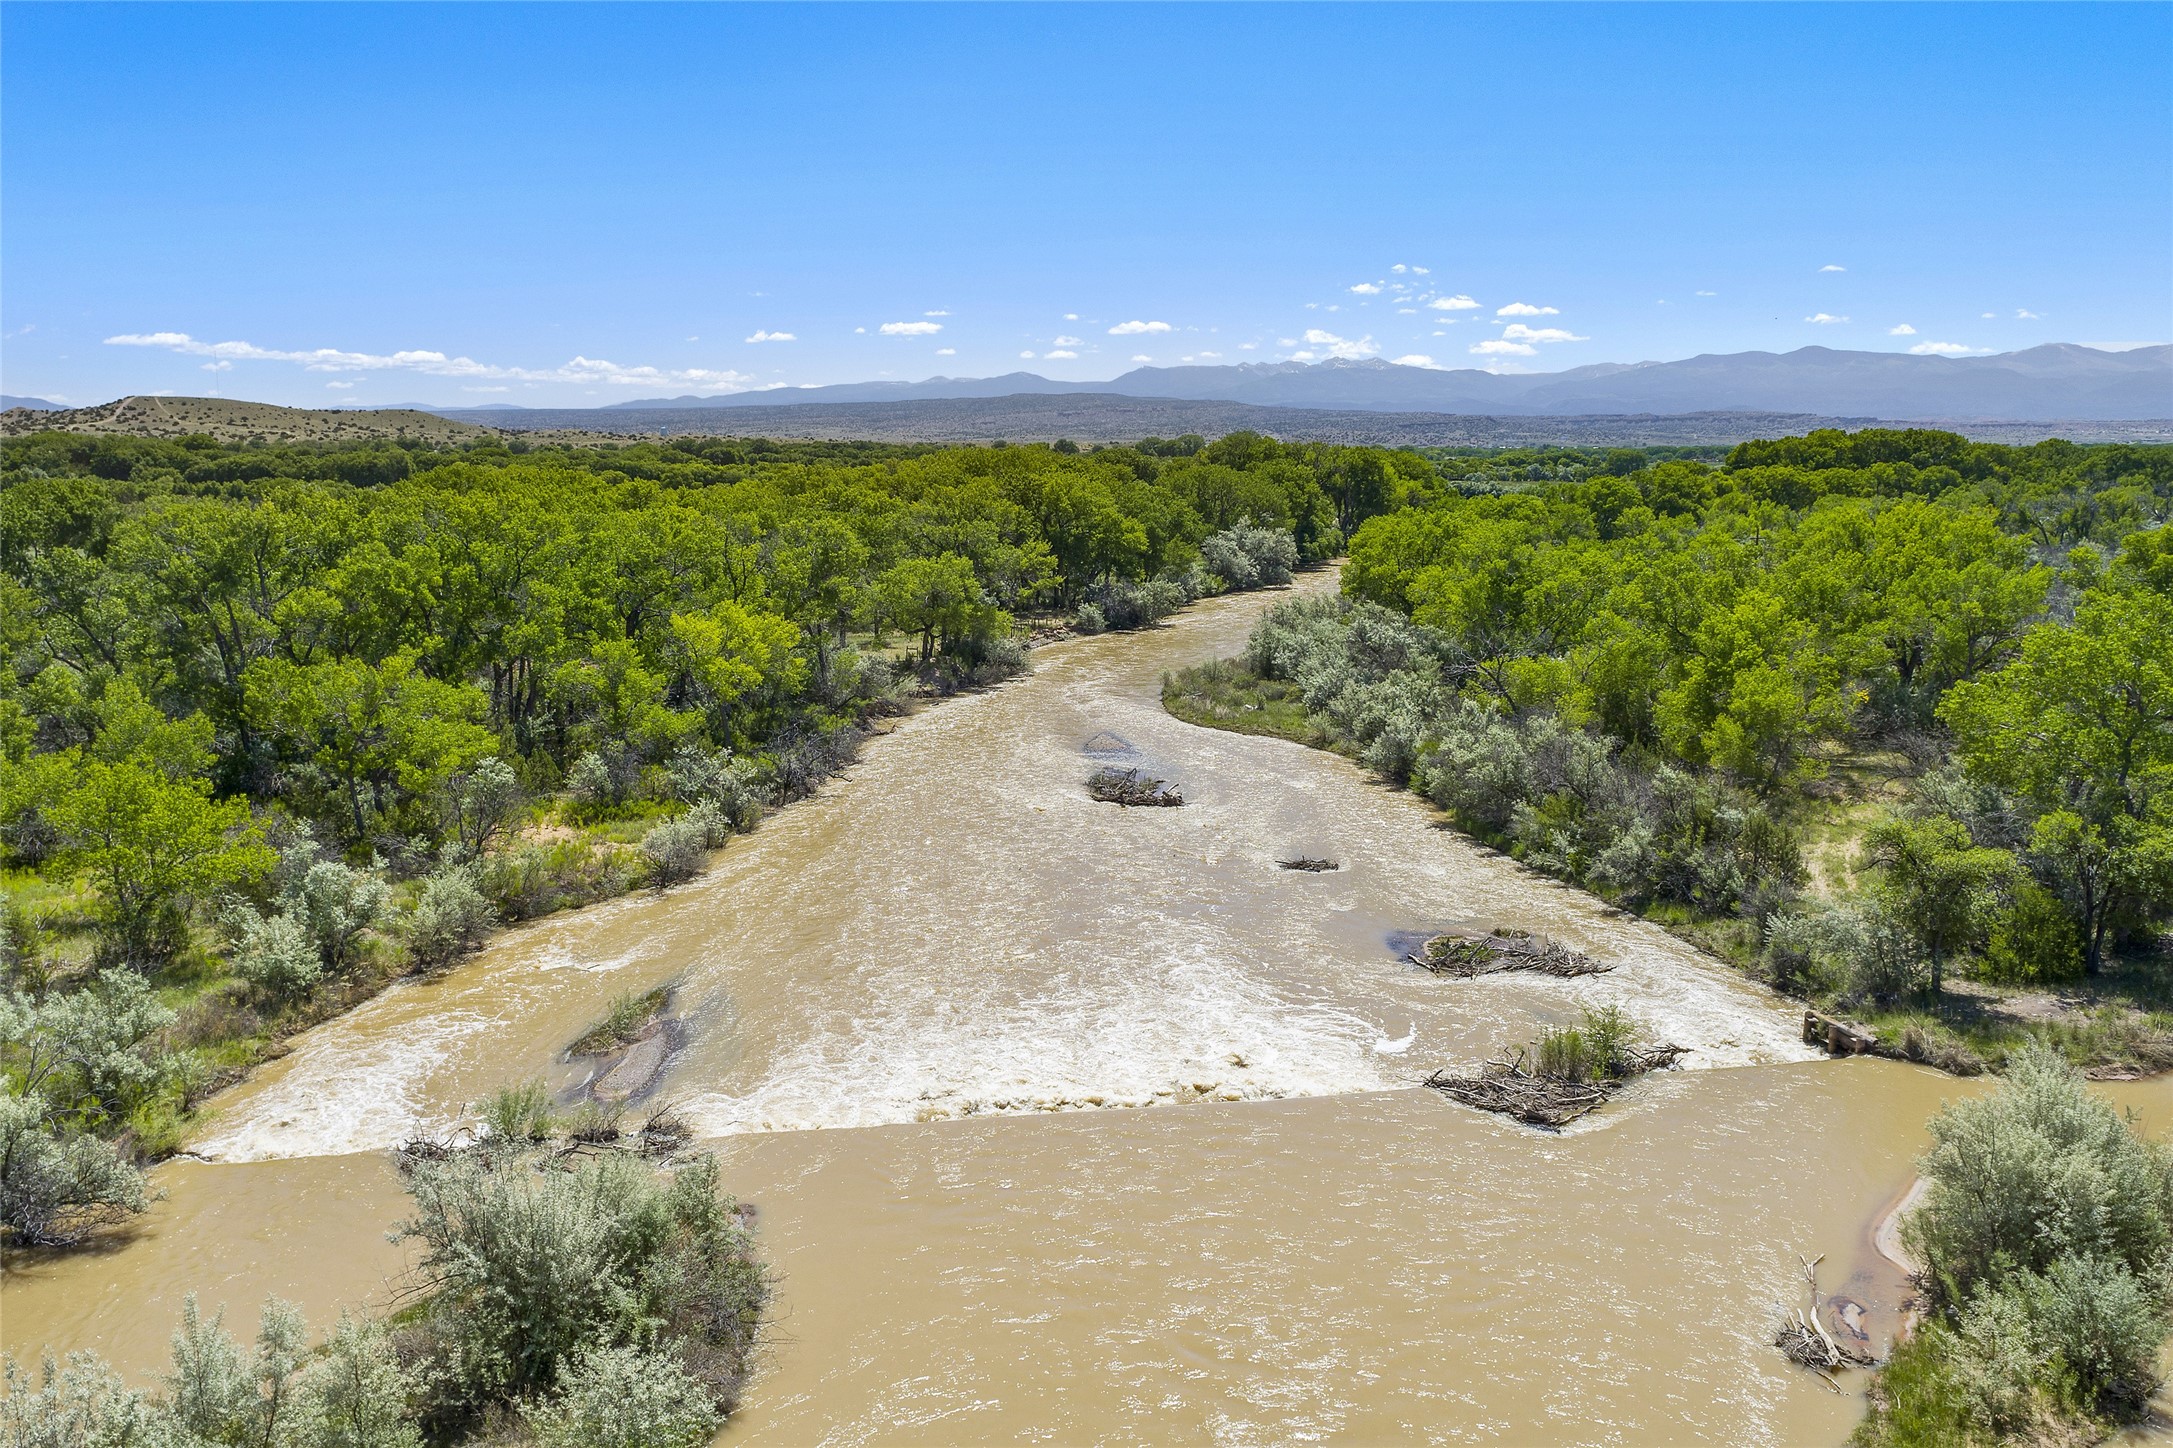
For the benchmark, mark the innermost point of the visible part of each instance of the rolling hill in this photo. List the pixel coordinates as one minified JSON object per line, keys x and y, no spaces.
{"x":231,"y":421}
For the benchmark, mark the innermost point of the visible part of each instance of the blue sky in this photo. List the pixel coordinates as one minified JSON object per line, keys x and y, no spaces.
{"x":569,"y":205}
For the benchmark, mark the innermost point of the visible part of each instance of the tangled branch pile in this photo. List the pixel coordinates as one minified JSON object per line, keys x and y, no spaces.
{"x":1129,"y":787}
{"x":1561,"y":1076}
{"x":1804,"y":1340}
{"x":1308,"y":863}
{"x":1503,"y":948}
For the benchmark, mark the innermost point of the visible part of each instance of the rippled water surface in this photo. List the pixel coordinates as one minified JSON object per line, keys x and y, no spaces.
{"x":917,"y":1008}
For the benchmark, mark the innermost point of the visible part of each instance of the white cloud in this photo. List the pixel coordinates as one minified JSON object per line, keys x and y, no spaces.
{"x":1824,"y":319}
{"x":910,"y":329}
{"x":1367,"y":289}
{"x":1518,"y":332}
{"x":218,"y":366}
{"x":1067,"y":341}
{"x":946,"y":351}
{"x":1457,"y":303}
{"x":1941,"y":349}
{"x":1526,"y":309}
{"x":435,"y":364}
{"x":1141,"y":357}
{"x":1133,"y":329}
{"x":1399,"y":268}
{"x":473,"y":389}
{"x":1211,"y":354}
{"x":1901,"y":329}
{"x":1420,"y":271}
{"x":1071,"y":316}
{"x":773,"y":337}
{"x":1061,"y":354}
{"x":2024,"y":314}
{"x":1407,"y":311}
{"x":1340,"y":346}
{"x":1708,"y":294}
{"x":1028,"y":356}
{"x":860,"y":331}
{"x":939,"y":312}
{"x":1415,"y":359}
{"x":694,"y":339}
{"x":1496,"y":347}
{"x":1988,"y":316}
{"x":464,"y":389}
{"x":1286,"y":341}
{"x":1829,"y":266}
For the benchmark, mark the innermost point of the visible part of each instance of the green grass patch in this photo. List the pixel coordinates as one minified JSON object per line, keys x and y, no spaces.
{"x":622,"y":1022}
{"x":1225,"y":694}
{"x":1920,"y":1402}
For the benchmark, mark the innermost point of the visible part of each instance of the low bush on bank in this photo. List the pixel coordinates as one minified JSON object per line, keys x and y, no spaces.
{"x":568,"y":1302}
{"x":2046,"y":1238}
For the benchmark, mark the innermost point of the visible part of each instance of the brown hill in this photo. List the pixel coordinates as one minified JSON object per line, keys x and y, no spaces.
{"x":230,"y":421}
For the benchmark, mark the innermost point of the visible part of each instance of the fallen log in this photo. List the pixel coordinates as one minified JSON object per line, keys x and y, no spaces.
{"x":1835,"y":1037}
{"x":1129,"y":787}
{"x":1309,"y":864}
{"x":1464,"y":955}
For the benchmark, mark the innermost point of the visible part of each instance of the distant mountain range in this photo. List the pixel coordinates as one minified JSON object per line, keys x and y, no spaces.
{"x":2055,"y":381}
{"x":35,"y":404}
{"x":1090,"y":417}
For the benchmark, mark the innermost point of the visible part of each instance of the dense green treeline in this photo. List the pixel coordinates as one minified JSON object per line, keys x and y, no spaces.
{"x":1643,"y":681}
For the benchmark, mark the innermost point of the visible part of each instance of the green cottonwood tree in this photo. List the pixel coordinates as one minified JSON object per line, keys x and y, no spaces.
{"x":1941,"y":886}
{"x":2081,"y":726}
{"x":152,"y":847}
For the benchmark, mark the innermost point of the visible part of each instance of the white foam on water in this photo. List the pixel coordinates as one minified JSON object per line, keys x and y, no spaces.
{"x":1199,"y":1030}
{"x":344,"y":1091}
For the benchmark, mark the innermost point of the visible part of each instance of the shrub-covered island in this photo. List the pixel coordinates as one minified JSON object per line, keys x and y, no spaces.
{"x":2046,"y":1243}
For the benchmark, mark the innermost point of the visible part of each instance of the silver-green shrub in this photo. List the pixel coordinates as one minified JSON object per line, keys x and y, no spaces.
{"x":677,"y":849}
{"x":624,"y":1397}
{"x":450,"y":918}
{"x":58,"y":1182}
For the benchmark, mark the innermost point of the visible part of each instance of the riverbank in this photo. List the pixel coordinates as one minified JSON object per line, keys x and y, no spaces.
{"x":2117,"y":1026}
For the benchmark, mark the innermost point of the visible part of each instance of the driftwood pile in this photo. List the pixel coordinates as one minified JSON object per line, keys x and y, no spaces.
{"x":1512,"y":1088}
{"x":1464,"y":955}
{"x":1309,"y":864}
{"x":1804,"y":1340}
{"x":1129,"y":787}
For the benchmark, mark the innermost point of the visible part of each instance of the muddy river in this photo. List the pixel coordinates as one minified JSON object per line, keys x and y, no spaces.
{"x":1078,"y":1124}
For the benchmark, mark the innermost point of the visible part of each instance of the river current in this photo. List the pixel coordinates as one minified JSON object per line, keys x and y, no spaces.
{"x":1073,"y":1123}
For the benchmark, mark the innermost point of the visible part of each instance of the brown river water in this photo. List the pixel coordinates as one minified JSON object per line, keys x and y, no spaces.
{"x":917,"y":1009}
